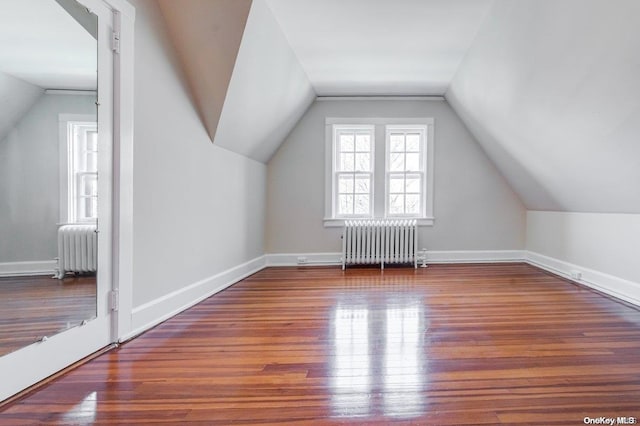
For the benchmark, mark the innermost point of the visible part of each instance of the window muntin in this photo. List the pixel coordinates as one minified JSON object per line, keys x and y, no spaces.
{"x":405,"y":188}
{"x":353,"y":148}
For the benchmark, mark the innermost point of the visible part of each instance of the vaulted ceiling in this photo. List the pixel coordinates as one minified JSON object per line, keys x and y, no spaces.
{"x":549,"y":89}
{"x":41,"y":47}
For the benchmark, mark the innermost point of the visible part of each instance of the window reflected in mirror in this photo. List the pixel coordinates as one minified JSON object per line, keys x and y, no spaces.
{"x":48,"y":169}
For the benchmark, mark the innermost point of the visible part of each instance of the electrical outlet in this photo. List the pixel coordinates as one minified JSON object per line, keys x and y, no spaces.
{"x":302,"y":260}
{"x":576,"y":275}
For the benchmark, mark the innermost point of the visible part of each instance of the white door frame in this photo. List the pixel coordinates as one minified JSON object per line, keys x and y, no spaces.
{"x":27,"y":366}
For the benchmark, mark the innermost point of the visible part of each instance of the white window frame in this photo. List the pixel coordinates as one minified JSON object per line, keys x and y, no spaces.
{"x":337,"y":130}
{"x":379,"y":185}
{"x":68,"y":185}
{"x":422,"y":130}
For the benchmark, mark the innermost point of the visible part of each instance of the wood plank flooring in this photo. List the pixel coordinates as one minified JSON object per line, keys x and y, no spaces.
{"x":446,"y":345}
{"x":36,"y":306}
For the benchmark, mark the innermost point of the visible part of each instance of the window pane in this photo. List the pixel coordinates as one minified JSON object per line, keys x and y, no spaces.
{"x":396,"y":184}
{"x":346,"y":142}
{"x":413,"y":184}
{"x":413,"y":204}
{"x":91,"y":162}
{"x":363,"y":162}
{"x":397,"y":162}
{"x":413,"y":162}
{"x":90,"y":208}
{"x":346,"y":162}
{"x":363,"y":143}
{"x":92,"y":141}
{"x":362,"y":205}
{"x":345,"y":204}
{"x":362,"y":184}
{"x":345,"y":184}
{"x":413,"y":142}
{"x":396,"y":143}
{"x":396,"y":203}
{"x":89,"y":185}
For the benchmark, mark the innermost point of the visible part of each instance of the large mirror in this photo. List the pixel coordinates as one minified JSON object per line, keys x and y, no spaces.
{"x":48,"y":169}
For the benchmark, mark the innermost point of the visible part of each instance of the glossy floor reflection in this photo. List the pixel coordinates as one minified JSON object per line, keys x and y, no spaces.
{"x":392,"y":363}
{"x":446,"y":345}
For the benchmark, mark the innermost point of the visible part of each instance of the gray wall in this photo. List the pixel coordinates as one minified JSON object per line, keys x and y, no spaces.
{"x":474,"y":207}
{"x":29,"y":179}
{"x":605,"y":242}
{"x":551,"y":91}
{"x":198,"y":208}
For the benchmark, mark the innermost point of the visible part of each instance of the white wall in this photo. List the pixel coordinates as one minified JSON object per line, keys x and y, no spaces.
{"x":268,"y":92}
{"x":607,"y":243}
{"x":198,"y":208}
{"x":551,"y":91}
{"x":16,"y":98}
{"x":29,"y":179}
{"x":474,"y":207}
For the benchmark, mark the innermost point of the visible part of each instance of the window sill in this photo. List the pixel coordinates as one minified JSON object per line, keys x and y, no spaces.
{"x":339,"y":223}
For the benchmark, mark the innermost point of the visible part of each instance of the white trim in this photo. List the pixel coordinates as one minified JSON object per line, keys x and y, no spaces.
{"x":339,"y":223}
{"x":123,"y":100}
{"x":158,"y":310}
{"x":474,"y":256}
{"x":620,"y":288}
{"x":382,"y":98}
{"x":379,"y":121}
{"x":33,"y":363}
{"x":70,"y":92}
{"x":125,"y":8}
{"x":456,"y":256}
{"x":31,"y":267}
{"x":312,"y":259}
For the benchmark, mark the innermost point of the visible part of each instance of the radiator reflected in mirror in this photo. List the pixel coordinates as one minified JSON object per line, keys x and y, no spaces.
{"x":48,"y":169}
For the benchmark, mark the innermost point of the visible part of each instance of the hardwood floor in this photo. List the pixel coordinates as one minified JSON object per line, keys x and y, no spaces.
{"x":446,"y":345}
{"x":32,"y":307}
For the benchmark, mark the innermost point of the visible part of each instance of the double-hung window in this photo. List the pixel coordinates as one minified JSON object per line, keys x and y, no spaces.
{"x":84,"y":172}
{"x":405,"y":171}
{"x":79,"y":170}
{"x":353,"y":171}
{"x":379,"y":168}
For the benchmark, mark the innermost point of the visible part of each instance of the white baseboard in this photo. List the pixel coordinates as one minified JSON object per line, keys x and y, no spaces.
{"x":145,"y":316}
{"x":475,"y":256}
{"x":458,"y":256}
{"x":620,"y":288}
{"x":312,"y":259}
{"x":35,"y":267}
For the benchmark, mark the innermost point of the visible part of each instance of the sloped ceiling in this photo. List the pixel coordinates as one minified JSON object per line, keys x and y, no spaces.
{"x":246,"y":81}
{"x":384,"y":47}
{"x":268,"y":92}
{"x":16,"y":98}
{"x":40,"y":43}
{"x":551,"y":90}
{"x":207,"y":35}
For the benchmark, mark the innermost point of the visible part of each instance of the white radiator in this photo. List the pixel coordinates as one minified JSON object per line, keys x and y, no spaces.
{"x":77,"y":249}
{"x":380,"y":241}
